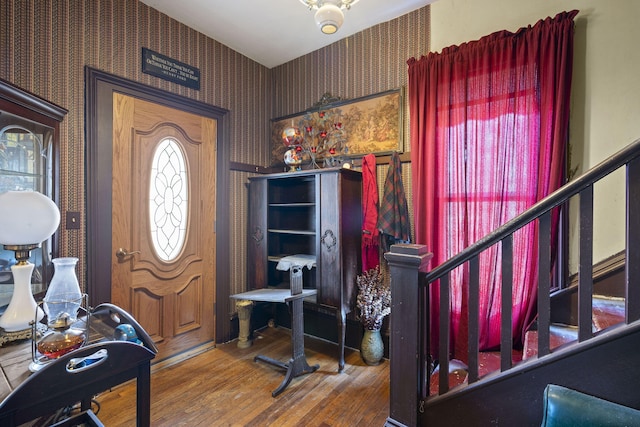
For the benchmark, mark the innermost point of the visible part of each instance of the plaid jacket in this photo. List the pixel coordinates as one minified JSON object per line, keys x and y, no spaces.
{"x":393,"y":216}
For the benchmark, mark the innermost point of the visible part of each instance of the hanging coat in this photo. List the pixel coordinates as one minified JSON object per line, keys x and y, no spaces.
{"x":393,"y":218}
{"x":370,"y":234}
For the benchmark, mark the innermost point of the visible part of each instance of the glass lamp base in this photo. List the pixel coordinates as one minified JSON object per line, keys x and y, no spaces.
{"x":22,"y":309}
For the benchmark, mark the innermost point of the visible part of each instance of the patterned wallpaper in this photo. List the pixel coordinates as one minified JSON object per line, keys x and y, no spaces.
{"x":45,"y":45}
{"x":369,"y":62}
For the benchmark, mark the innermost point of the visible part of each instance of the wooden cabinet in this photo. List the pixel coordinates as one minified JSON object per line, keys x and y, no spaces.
{"x":29,"y":146}
{"x":317,"y":212}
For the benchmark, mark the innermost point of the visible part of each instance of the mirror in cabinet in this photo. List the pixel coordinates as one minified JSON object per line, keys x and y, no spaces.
{"x":29,"y":133}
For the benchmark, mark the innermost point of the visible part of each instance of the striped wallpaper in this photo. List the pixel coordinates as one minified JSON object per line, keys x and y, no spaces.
{"x":45,"y":45}
{"x":369,"y":62}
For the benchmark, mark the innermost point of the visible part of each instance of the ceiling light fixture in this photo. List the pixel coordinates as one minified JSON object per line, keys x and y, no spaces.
{"x":329,"y":16}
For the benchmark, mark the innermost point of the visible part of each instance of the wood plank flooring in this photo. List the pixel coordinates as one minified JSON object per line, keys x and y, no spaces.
{"x":225,"y":387}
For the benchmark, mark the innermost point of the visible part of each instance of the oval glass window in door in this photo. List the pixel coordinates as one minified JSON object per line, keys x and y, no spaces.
{"x":168,"y":199}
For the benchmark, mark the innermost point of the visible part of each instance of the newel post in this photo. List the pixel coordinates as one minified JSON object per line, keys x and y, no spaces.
{"x":406,"y":262}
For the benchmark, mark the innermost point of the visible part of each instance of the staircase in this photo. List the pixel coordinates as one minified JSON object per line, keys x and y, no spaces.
{"x":607,"y":312}
{"x":593,"y":347}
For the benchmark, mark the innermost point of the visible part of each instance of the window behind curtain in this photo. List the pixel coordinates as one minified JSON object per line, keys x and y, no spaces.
{"x":489,"y":123}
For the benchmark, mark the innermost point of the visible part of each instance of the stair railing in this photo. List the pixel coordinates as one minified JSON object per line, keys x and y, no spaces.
{"x":409,"y":345}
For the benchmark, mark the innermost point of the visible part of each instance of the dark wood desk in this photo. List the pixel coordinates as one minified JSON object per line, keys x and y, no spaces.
{"x":26,"y":396}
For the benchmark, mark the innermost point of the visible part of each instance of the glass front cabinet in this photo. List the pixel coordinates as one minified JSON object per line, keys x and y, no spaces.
{"x":29,"y":135}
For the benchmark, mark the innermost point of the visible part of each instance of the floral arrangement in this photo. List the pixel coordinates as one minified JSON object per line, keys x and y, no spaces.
{"x":374,"y":298}
{"x":318,"y":135}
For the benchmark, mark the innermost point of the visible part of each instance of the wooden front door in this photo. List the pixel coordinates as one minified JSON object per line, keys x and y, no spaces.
{"x":163,"y":213}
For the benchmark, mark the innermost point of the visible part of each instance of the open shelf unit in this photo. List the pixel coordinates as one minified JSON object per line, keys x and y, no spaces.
{"x":316,"y":212}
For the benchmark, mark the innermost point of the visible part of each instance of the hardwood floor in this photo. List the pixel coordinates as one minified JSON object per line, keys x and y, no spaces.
{"x":225,"y":387}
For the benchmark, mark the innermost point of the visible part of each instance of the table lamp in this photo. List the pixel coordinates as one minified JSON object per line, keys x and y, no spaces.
{"x":27,"y":218}
{"x":62,"y":303}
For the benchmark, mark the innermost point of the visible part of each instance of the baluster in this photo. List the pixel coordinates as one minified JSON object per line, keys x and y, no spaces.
{"x":506,"y":333}
{"x":585,"y":266}
{"x":474,"y":312}
{"x":632,"y":265}
{"x":445,"y":333}
{"x":544,"y":283}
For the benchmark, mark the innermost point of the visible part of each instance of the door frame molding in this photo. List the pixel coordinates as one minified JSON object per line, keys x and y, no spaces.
{"x":99,"y":89}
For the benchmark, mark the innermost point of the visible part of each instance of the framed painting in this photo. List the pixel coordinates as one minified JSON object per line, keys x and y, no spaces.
{"x":371,"y":124}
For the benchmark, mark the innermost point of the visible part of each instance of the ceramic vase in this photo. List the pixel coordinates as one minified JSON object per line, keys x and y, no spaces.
{"x":372,"y":347}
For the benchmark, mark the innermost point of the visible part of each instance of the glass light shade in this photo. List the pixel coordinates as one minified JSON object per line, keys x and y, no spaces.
{"x":329,"y":18}
{"x":316,"y":4}
{"x":63,"y":297}
{"x":292,"y":136}
{"x":28,"y":217}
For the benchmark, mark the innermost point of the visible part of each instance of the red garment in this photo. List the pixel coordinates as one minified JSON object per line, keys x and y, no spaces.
{"x":370,"y":234}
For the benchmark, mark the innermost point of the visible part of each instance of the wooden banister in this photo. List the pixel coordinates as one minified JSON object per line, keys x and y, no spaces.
{"x":406,"y":263}
{"x":409,"y":352}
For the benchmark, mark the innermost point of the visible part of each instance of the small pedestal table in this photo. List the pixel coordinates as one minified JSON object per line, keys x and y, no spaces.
{"x":293,"y":296}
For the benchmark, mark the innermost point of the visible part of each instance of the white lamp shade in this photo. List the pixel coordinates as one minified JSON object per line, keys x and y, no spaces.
{"x":28,"y":217}
{"x":329,"y":18}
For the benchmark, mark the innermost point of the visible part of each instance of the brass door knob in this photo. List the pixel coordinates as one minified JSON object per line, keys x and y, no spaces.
{"x":121,"y":253}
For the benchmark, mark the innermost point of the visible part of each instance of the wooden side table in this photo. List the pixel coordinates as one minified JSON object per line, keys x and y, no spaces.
{"x":64,"y":382}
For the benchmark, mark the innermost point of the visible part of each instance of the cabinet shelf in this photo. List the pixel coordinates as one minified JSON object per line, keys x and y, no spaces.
{"x":16,"y":173}
{"x":292,"y":205}
{"x":299,"y":232}
{"x":277,"y":258}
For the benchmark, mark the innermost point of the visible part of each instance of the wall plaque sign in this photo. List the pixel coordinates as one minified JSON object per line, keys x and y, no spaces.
{"x":169,"y":69}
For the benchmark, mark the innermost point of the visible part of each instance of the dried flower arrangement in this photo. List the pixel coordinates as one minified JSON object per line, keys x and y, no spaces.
{"x":374,"y":298}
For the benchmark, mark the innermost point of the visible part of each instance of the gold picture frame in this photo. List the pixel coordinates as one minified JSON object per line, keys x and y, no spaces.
{"x":372,"y":124}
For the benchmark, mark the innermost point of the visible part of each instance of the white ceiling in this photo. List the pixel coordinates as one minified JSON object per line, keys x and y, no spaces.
{"x":272,"y":32}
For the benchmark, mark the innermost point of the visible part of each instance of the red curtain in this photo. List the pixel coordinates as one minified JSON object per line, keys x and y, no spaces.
{"x":489,"y":129}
